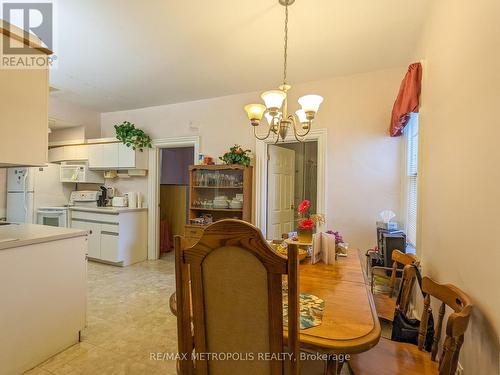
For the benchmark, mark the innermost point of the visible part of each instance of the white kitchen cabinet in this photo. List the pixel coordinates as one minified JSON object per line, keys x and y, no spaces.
{"x":117,"y":235}
{"x":95,"y":155}
{"x":115,"y":156}
{"x":77,"y":152}
{"x":68,"y":153}
{"x":56,"y":155}
{"x":94,"y":237}
{"x":109,"y":155}
{"x":126,"y":157}
{"x":110,"y":247}
{"x":23,"y":114}
{"x":103,"y":155}
{"x":43,"y":284}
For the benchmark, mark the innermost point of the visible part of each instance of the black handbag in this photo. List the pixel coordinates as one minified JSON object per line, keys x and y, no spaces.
{"x":405,"y":329}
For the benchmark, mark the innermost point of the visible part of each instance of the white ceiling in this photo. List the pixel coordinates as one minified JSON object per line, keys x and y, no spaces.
{"x":124,"y":54}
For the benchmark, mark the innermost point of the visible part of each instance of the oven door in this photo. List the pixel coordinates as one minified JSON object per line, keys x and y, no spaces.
{"x":54,"y":218}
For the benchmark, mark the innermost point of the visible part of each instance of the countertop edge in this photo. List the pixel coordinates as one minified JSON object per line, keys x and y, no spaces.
{"x":110,"y":210}
{"x":33,"y":241}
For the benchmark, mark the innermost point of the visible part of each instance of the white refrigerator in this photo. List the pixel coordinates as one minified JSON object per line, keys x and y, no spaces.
{"x":30,"y":188}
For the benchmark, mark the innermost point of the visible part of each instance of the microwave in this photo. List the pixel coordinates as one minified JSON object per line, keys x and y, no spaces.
{"x":80,"y":172}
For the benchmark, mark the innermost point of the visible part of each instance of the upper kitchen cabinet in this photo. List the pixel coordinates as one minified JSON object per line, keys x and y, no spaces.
{"x":111,"y":156}
{"x":24,"y":102}
{"x":68,"y":153}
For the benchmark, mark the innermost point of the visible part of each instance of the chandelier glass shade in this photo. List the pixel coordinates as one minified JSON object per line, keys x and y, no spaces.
{"x":276,"y":105}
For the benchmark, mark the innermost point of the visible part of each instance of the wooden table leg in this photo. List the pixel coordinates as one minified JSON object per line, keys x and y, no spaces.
{"x":331,"y":367}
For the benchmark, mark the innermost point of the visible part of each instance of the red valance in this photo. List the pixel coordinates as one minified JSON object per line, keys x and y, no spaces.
{"x":407,"y":100}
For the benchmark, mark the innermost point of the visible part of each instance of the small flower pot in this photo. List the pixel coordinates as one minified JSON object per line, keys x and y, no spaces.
{"x":305,"y":235}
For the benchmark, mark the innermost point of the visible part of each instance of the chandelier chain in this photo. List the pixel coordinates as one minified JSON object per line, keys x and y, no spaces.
{"x":286,"y":45}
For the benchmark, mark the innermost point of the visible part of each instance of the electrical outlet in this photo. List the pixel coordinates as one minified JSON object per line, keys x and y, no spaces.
{"x":460,"y":370}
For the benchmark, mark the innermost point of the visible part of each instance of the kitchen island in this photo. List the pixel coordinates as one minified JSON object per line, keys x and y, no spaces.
{"x":42,"y":292}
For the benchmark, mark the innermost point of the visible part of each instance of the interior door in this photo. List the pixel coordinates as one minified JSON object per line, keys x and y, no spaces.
{"x":280,"y":191}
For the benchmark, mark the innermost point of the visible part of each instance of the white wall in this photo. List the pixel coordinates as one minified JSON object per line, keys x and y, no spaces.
{"x":460,"y":152}
{"x":3,"y":192}
{"x":363,"y":162}
{"x":75,"y":114}
{"x":76,"y":133}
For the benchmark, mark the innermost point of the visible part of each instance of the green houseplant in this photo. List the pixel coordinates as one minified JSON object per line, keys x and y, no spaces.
{"x":130,"y":136}
{"x":236,"y":155}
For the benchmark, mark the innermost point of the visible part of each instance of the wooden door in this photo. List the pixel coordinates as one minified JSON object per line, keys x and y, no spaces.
{"x":280,"y":192}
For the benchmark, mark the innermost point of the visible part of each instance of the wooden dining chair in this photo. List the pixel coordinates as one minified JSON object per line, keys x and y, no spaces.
{"x":385,"y":300}
{"x":231,"y":280}
{"x":390,"y":357}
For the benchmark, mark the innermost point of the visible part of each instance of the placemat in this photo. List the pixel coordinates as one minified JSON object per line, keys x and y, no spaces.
{"x":311,"y":310}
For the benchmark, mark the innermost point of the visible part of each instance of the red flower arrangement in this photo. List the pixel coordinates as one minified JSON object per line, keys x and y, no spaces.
{"x":308,"y":222}
{"x":304,"y":206}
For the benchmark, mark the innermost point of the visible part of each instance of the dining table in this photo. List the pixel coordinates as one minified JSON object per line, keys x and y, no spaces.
{"x":349,"y":324}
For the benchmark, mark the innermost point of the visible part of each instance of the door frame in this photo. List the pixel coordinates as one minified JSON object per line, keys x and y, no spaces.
{"x":154,"y":185}
{"x":261,"y":157}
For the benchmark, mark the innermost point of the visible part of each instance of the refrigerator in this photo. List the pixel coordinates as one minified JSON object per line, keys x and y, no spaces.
{"x":30,"y":188}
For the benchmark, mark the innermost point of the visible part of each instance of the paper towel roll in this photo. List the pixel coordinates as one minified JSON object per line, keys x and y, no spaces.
{"x":132,"y":199}
{"x":139,"y":200}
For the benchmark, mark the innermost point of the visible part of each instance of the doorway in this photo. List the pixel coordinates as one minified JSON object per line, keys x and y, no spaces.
{"x":292,"y":175}
{"x":174,"y":185}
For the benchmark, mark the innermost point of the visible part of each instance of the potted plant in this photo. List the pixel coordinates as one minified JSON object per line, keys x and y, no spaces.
{"x":236,"y":155}
{"x":131,"y":136}
{"x":308,"y":222}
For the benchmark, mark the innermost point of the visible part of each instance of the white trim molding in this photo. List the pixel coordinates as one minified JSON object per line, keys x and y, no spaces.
{"x":261,"y":157}
{"x":154,"y":184}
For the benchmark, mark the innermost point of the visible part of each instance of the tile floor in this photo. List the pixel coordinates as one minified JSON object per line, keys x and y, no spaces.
{"x":128,"y":318}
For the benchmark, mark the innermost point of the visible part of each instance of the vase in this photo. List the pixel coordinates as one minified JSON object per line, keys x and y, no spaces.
{"x":305,"y":235}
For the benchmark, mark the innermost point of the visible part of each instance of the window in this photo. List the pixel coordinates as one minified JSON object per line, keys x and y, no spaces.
{"x":411,"y":176}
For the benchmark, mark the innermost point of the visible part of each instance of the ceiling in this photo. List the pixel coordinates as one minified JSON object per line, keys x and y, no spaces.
{"x":125,"y":54}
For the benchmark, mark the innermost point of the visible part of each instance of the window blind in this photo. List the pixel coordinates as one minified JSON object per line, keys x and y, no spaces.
{"x":411,"y":134}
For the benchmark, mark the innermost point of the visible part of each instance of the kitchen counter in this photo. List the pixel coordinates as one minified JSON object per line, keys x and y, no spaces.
{"x":16,"y":235}
{"x":108,"y":210}
{"x":43,"y":288}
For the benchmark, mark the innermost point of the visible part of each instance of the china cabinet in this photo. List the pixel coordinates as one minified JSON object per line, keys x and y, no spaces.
{"x":218,"y":192}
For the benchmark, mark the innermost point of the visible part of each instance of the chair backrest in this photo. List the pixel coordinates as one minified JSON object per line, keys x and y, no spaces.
{"x":399,"y":258}
{"x":405,"y":291}
{"x":233,"y":279}
{"x":457,"y":323}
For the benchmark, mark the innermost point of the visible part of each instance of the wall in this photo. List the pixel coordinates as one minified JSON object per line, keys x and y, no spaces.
{"x":174,"y":165}
{"x":74,"y":114}
{"x":459,"y":133}
{"x":3,"y":192}
{"x":76,"y":134}
{"x":363,"y":162}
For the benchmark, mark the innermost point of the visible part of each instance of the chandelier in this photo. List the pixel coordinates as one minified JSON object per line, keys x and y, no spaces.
{"x":276,"y":105}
